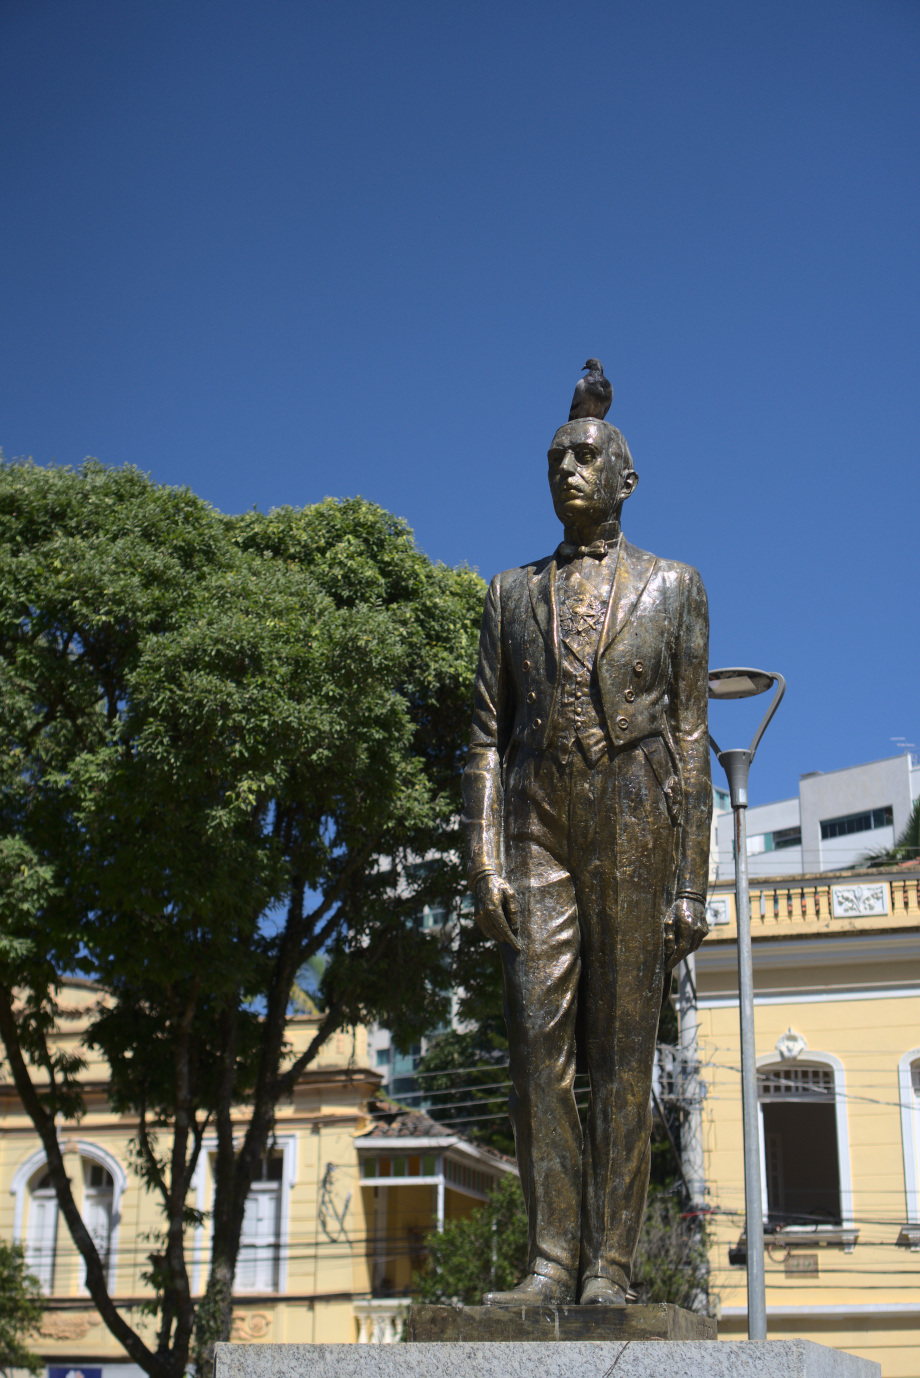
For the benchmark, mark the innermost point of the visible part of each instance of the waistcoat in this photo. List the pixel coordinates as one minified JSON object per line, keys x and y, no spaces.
{"x":581,"y":618}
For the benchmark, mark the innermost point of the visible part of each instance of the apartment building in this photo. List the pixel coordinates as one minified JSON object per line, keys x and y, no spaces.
{"x":835,"y":820}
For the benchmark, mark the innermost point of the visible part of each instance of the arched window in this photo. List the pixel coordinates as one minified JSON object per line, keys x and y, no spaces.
{"x":97,"y":1187}
{"x":909,"y":1097}
{"x":805,"y":1143}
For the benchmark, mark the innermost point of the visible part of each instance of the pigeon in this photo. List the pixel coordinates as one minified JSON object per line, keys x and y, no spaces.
{"x":593,"y":394}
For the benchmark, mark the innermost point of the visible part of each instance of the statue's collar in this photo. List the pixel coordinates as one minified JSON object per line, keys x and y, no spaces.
{"x":606,"y":531}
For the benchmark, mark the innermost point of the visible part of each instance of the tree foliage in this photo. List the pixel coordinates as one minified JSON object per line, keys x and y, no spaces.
{"x":20,"y":1309}
{"x":672,"y":1260}
{"x":485,"y":1251}
{"x":225,"y":737}
{"x":906,"y":848}
{"x":488,"y":1250}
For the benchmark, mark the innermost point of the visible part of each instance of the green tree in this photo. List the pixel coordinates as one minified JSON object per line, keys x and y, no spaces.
{"x":20,"y":1309}
{"x":488,"y":1249}
{"x":483,"y":1251}
{"x":225,"y":739}
{"x":672,"y":1260}
{"x":906,"y":848}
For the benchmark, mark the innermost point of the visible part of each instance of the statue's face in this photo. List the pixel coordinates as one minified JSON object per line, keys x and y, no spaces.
{"x":585,"y":478}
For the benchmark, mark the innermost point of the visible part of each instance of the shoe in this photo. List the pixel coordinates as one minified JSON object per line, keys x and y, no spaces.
{"x":602,"y":1292}
{"x":534,"y":1290}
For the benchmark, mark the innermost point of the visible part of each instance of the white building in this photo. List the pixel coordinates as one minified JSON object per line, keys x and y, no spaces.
{"x":838,"y":817}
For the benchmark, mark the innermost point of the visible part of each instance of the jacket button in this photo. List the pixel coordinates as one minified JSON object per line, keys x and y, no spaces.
{"x":638,"y":667}
{"x":622,"y":724}
{"x":526,"y":665}
{"x":629,"y":695}
{"x":537,"y":723}
{"x":531,"y":697}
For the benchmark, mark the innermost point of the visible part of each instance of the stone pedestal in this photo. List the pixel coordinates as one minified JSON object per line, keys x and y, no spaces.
{"x":514,"y":1359}
{"x":661,"y":1321}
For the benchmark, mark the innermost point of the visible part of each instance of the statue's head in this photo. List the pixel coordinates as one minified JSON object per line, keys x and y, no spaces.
{"x":591,"y":473}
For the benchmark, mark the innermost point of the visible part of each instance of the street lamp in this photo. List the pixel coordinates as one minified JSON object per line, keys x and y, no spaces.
{"x":743,"y":684}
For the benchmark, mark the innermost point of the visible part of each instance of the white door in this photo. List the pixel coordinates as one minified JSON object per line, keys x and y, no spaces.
{"x":257,"y":1264}
{"x":42,"y":1236}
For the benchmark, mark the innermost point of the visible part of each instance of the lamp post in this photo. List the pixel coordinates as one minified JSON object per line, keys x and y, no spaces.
{"x":743,"y":684}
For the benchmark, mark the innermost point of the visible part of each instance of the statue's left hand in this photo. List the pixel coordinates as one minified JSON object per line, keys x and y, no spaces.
{"x":684,"y":930}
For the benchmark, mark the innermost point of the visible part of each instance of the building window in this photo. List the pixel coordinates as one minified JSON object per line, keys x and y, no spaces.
{"x":857,"y":822}
{"x":772,"y":842}
{"x":801,"y":1149}
{"x":433,"y":916}
{"x":260,"y":1241}
{"x":41,"y":1229}
{"x":415,"y":1165}
{"x":462,"y":1175}
{"x":909,"y":1097}
{"x":36,"y":1210}
{"x":98,"y":1209}
{"x":262,"y":1260}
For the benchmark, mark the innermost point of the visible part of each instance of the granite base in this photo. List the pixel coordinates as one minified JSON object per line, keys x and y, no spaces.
{"x":578,"y":1359}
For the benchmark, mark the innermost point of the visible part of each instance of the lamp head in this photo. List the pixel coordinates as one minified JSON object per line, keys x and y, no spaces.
{"x":738,"y":684}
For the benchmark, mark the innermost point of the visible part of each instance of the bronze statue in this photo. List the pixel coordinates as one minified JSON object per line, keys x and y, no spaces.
{"x":587,"y":805}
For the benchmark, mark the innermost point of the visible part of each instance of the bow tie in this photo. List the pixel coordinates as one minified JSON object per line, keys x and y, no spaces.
{"x":567,"y":551}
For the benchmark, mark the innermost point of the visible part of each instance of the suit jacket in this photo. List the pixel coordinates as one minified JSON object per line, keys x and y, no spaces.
{"x":652,"y":668}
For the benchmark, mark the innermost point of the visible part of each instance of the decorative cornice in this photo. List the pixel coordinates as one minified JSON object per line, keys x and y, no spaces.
{"x":836,"y":949}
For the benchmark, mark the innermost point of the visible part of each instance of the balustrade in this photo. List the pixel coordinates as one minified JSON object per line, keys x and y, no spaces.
{"x":865,"y":895}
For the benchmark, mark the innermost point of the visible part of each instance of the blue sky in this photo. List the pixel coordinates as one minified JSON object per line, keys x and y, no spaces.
{"x":281,"y":251}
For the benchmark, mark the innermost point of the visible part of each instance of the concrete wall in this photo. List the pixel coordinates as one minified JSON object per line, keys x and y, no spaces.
{"x":892,"y":782}
{"x":835,"y":793}
{"x":763,"y":818}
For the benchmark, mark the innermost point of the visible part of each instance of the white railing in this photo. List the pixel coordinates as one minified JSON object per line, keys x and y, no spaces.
{"x":380,"y":1320}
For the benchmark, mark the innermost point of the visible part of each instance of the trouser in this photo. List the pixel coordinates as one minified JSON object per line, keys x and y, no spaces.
{"x":590,"y":854}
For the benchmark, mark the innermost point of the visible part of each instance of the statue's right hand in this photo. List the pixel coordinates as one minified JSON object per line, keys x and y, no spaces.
{"x":496,"y":909}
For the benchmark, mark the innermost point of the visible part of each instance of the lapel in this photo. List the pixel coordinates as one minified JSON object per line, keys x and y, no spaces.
{"x":633,"y":571}
{"x":543,"y":601}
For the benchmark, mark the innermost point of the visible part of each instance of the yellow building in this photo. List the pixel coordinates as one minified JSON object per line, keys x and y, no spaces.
{"x":334,"y":1226}
{"x":331,"y":1232}
{"x":837,"y":1020}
